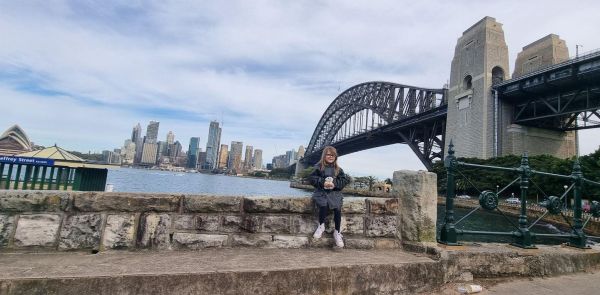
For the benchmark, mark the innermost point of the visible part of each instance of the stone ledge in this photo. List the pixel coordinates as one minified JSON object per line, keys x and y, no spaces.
{"x":125,"y":202}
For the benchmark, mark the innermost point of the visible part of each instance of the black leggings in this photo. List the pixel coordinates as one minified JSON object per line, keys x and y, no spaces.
{"x":337,"y":216}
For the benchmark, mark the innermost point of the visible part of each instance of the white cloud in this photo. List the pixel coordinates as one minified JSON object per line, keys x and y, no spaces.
{"x":269,"y":69}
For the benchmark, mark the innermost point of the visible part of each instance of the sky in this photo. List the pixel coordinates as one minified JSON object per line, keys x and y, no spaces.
{"x":82,"y":74}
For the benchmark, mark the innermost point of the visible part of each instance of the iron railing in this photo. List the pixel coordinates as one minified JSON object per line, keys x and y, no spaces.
{"x":488,"y":200}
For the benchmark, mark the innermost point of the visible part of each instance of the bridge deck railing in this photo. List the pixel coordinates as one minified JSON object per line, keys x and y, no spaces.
{"x":522,"y":234}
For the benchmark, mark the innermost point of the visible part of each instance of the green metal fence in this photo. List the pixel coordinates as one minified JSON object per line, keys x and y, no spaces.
{"x":488,"y":200}
{"x":33,"y":177}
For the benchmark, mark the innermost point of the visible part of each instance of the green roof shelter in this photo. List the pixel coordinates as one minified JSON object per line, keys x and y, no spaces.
{"x":52,"y":168}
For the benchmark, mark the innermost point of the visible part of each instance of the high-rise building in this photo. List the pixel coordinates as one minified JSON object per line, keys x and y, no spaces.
{"x":162,"y":150}
{"x":201,"y":159}
{"x":212,"y":145}
{"x":149,"y":153}
{"x":170,"y":137}
{"x":152,"y":132}
{"x":128,"y":152}
{"x":109,"y":157}
{"x":235,"y":157}
{"x":192,"y":153}
{"x":136,"y":133}
{"x":291,"y":157}
{"x":248,"y":158}
{"x":301,"y":152}
{"x":223,"y":153}
{"x":257,"y":163}
{"x":175,"y":150}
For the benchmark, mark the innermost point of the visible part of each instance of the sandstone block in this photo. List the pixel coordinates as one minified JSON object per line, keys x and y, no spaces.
{"x":155,"y":231}
{"x":119,"y":231}
{"x":354,"y":205}
{"x":382,"y":226}
{"x":275,"y":224}
{"x":33,"y":201}
{"x":199,"y":241}
{"x":383,"y":206}
{"x":357,"y":243}
{"x":289,"y":242}
{"x":250,"y":223}
{"x":208,"y":223}
{"x":184,"y":221}
{"x":37,"y":230}
{"x":207,"y":204}
{"x":263,"y":204}
{"x":251,"y":240}
{"x":417,"y":192}
{"x":81,"y":232}
{"x":354,"y":225}
{"x":125,"y":202}
{"x":303,"y":224}
{"x":7,"y":224}
{"x":231,"y":223}
{"x":387,"y":244}
{"x":325,"y":241}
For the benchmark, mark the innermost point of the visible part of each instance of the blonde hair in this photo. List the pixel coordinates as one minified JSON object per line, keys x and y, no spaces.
{"x":322,"y":162}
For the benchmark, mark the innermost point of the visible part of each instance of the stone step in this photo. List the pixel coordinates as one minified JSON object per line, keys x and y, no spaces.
{"x":220,"y":271}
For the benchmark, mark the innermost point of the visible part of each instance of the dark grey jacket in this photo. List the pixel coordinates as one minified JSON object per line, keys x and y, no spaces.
{"x":331,"y":198}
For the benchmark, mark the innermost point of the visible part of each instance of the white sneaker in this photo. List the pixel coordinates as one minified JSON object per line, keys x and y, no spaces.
{"x":319,"y":231}
{"x":337,"y":236}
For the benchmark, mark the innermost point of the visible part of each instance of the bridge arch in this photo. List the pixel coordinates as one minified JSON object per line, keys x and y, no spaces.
{"x":357,"y":119}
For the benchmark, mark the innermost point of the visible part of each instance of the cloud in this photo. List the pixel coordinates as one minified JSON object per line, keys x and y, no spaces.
{"x":268,"y":69}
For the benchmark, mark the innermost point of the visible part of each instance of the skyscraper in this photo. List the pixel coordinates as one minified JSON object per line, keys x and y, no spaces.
{"x":212,"y":145}
{"x":248,"y":158}
{"x":152,"y":132}
{"x":257,"y":159}
{"x":193,"y":151}
{"x":235,"y":157}
{"x":136,"y":134}
{"x":223,"y":153}
{"x":170,"y":137}
{"x":301,"y":152}
{"x":136,"y":137}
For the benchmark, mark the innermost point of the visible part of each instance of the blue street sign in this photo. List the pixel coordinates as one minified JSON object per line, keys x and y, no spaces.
{"x":27,"y":161}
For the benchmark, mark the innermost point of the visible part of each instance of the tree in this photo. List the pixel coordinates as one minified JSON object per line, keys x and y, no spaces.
{"x":306,"y":172}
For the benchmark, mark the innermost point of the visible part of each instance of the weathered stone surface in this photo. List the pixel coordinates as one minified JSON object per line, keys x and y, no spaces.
{"x":354,"y":205}
{"x":353,"y":224}
{"x":383,"y":206}
{"x":208,"y":223}
{"x":37,"y":230}
{"x":7,"y":224}
{"x":275,"y":224}
{"x":289,"y":242}
{"x":119,"y":231}
{"x":382,"y":226}
{"x":155,"y":231}
{"x":81,"y":232}
{"x":387,"y":243}
{"x":33,"y":201}
{"x":183,"y":221}
{"x":277,"y":205}
{"x":304,"y":224}
{"x":417,"y":191}
{"x":251,"y":240}
{"x":325,"y":241}
{"x":231,"y":223}
{"x":356,"y":243}
{"x":250,"y":223}
{"x":207,"y":204}
{"x":125,"y":202}
{"x":199,"y":241}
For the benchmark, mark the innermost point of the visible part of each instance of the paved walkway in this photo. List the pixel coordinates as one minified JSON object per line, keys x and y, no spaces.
{"x":579,"y":283}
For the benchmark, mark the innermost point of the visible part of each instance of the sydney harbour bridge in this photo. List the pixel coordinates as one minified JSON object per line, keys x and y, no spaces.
{"x":559,"y":97}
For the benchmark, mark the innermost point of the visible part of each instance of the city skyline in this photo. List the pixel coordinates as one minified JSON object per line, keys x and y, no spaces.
{"x":185,"y":65}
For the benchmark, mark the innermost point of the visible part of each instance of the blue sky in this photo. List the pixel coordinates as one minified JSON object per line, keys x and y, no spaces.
{"x":82,"y":73}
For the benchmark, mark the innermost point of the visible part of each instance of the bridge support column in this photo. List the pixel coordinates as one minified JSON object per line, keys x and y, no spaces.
{"x":299,"y":167}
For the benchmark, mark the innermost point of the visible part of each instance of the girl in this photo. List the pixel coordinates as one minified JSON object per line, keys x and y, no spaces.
{"x":329,"y":179}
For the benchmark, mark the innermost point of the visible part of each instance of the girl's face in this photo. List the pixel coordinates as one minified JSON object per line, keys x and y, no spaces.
{"x":329,"y":158}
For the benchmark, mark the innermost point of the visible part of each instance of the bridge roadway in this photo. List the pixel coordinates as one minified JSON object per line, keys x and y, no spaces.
{"x":295,"y":271}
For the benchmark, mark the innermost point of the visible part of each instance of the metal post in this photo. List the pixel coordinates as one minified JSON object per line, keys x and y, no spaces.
{"x":8,"y":176}
{"x":17,"y":176}
{"x":34,"y":177}
{"x":578,"y":237}
{"x":448,"y":232}
{"x":524,"y":238}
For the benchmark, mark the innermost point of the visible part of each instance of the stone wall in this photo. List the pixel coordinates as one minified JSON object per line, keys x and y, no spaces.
{"x":54,"y":220}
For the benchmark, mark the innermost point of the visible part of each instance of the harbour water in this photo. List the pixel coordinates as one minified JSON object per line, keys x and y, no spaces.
{"x":156,"y":181}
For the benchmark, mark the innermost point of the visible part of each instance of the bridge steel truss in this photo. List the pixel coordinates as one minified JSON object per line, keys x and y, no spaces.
{"x":375,"y":114}
{"x":564,"y":96}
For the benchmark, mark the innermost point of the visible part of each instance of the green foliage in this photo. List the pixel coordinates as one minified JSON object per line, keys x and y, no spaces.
{"x":282,"y":173}
{"x":258,"y":174}
{"x":472,"y":181}
{"x":88,"y":156}
{"x":365,"y":181}
{"x":306,"y":172}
